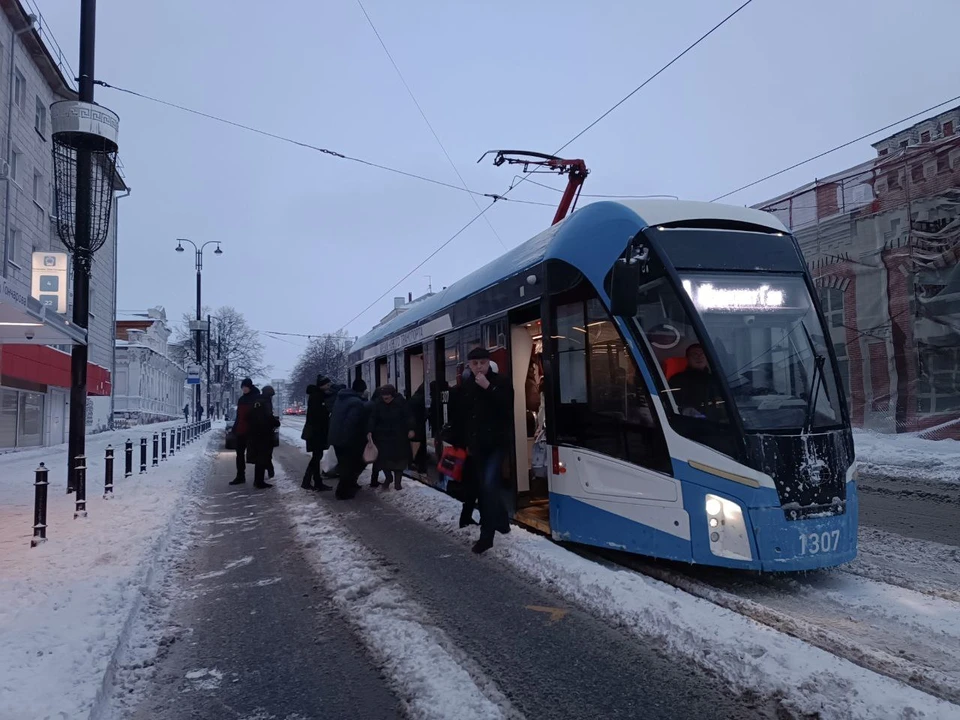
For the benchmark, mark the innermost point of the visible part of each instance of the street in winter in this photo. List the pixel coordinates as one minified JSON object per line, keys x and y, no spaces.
{"x":305,"y":413}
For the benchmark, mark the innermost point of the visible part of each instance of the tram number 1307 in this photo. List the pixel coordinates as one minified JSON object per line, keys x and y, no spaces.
{"x":816,"y":543}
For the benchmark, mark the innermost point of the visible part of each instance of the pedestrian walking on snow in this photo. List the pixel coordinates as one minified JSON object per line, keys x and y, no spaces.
{"x":391,"y":429}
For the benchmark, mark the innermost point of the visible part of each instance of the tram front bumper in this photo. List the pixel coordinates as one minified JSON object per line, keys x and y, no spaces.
{"x":806,"y":544}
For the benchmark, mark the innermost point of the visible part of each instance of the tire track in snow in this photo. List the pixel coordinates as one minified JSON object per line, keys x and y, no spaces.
{"x":432,"y":677}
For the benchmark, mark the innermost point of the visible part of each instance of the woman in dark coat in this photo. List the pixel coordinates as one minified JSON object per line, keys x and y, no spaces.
{"x":391,"y":429}
{"x":418,"y":411}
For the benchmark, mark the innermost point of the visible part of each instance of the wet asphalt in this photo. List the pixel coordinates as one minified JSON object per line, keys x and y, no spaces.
{"x":264,"y":641}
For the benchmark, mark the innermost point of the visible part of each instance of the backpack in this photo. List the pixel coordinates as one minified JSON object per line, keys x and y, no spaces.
{"x":260,"y":419}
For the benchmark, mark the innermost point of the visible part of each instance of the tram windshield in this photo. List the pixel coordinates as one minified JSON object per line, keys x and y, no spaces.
{"x":771,"y":349}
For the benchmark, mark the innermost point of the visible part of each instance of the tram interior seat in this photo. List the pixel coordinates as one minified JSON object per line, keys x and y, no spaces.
{"x":674,"y":365}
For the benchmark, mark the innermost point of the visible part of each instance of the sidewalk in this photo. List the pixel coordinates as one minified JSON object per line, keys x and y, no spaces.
{"x":65,"y":605}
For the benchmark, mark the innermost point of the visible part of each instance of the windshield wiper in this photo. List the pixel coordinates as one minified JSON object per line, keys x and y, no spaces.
{"x":816,"y":381}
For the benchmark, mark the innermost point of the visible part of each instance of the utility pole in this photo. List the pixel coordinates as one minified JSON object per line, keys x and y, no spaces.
{"x":209,"y":330}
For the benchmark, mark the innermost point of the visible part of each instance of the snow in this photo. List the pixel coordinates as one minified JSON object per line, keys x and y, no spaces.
{"x":747,"y":654}
{"x":433,"y":678}
{"x":67,"y":606}
{"x":907,"y":457}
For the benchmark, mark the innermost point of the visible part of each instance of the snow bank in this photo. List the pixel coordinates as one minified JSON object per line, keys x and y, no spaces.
{"x":431,"y":676}
{"x":907,"y":457}
{"x":749,"y":655}
{"x":66,"y":606}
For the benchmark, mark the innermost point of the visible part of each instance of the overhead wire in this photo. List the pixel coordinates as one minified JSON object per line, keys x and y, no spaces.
{"x":524,"y":178}
{"x":838,"y":147}
{"x":303,"y":144}
{"x":427,"y":121}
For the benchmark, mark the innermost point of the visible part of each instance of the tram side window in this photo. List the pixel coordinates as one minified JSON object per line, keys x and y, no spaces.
{"x":604,"y":404}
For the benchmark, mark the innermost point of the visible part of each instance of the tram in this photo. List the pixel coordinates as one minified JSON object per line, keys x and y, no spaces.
{"x":670,"y":362}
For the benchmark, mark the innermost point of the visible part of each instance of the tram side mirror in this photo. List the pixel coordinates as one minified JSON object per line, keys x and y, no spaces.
{"x":625,"y":288}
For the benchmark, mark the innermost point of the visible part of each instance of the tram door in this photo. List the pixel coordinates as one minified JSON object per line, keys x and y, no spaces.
{"x":526,"y":349}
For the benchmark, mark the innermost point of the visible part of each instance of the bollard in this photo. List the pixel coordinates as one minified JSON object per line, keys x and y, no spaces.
{"x":156,"y":449}
{"x":143,"y":455}
{"x":163,"y":445}
{"x":40,"y":485}
{"x":108,"y":473}
{"x":128,"y":459}
{"x":179,"y":438}
{"x":173,"y":441}
{"x":80,"y":473}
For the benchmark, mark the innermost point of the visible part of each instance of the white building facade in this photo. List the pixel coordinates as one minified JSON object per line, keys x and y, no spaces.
{"x":35,"y":365}
{"x":149,"y":385}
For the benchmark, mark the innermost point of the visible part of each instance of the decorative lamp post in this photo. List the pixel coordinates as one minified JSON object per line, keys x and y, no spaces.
{"x":198,"y":325}
{"x":84,"y":162}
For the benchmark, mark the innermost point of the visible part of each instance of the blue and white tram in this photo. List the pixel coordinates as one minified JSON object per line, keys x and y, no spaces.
{"x":689,"y":400}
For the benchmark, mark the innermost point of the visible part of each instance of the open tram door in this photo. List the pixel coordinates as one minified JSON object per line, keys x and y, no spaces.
{"x":526,"y":376}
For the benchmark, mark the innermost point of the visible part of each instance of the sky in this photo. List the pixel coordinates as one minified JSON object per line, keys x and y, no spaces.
{"x":310,"y":240}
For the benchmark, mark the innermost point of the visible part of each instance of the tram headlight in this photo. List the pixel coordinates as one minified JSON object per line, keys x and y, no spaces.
{"x":727,"y":529}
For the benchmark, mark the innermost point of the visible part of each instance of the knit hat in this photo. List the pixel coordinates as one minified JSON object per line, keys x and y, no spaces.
{"x":247,"y":382}
{"x":478,"y":353}
{"x":359,"y":385}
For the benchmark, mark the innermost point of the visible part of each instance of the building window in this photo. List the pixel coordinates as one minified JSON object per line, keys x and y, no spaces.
{"x":948,"y":128}
{"x":938,"y":388}
{"x":14,"y":252}
{"x":903,"y":143}
{"x":15,"y":165}
{"x":37,"y":187}
{"x":925,"y":136}
{"x":893,"y":180}
{"x":883,"y":151}
{"x":916,"y":173}
{"x":40,"y":120}
{"x":831,"y":300}
{"x":19,"y":89}
{"x":943,"y":162}
{"x":21,"y":418}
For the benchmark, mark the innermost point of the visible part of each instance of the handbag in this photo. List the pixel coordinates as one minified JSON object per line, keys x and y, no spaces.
{"x":451,"y":462}
{"x":276,"y":437}
{"x":370,"y":453}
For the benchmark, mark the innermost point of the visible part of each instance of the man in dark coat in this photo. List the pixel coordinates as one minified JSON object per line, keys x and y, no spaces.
{"x":485,"y":414}
{"x":697,"y":391}
{"x":348,"y":433}
{"x":418,"y":411}
{"x":241,"y":427}
{"x":315,"y":431}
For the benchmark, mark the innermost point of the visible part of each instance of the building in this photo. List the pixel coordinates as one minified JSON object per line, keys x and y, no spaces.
{"x":35,"y":341}
{"x":149,"y":384}
{"x":882,"y":240}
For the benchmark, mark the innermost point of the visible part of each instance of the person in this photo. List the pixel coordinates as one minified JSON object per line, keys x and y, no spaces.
{"x":268,"y":393}
{"x":315,"y":431}
{"x":696,"y":388}
{"x":348,"y":430}
{"x":375,"y":468}
{"x":199,"y":413}
{"x":261,"y":423}
{"x":485,"y":410}
{"x":241,"y":426}
{"x":186,"y":413}
{"x":418,"y":412}
{"x":391,"y":429}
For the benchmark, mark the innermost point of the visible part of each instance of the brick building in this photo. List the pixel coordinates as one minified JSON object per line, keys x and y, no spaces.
{"x":882,"y":240}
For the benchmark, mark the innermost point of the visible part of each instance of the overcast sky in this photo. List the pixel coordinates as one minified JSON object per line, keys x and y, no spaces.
{"x":310,"y":240}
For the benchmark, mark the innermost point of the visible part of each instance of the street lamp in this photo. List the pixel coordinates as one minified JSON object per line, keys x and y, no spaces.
{"x":199,"y":324}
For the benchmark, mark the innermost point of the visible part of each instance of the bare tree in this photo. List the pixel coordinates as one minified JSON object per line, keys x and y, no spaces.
{"x":325,"y":355}
{"x":233,"y":340}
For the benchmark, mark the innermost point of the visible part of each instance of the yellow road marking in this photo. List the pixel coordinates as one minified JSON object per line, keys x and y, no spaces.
{"x":556,"y":614}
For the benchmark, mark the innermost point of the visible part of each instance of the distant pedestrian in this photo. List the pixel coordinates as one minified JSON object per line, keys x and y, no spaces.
{"x":241,"y":427}
{"x":186,"y":413}
{"x":485,"y":413}
{"x":348,"y":430}
{"x":199,"y":413}
{"x":315,"y":431}
{"x":391,"y":429}
{"x":268,"y":393}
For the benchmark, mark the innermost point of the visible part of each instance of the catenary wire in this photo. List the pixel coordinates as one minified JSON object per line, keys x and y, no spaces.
{"x":838,"y":147}
{"x":427,"y":121}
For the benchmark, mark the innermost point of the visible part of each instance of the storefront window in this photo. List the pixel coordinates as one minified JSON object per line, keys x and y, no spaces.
{"x":8,"y":418}
{"x":30,"y":422}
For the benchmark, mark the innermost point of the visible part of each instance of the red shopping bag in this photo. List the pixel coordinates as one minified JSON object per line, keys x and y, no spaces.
{"x":451,"y":462}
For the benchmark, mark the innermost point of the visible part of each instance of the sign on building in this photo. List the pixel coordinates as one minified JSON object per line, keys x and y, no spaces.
{"x":50,"y":280}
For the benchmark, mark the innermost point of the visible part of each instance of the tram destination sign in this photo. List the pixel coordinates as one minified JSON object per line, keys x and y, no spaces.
{"x":409,"y":337}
